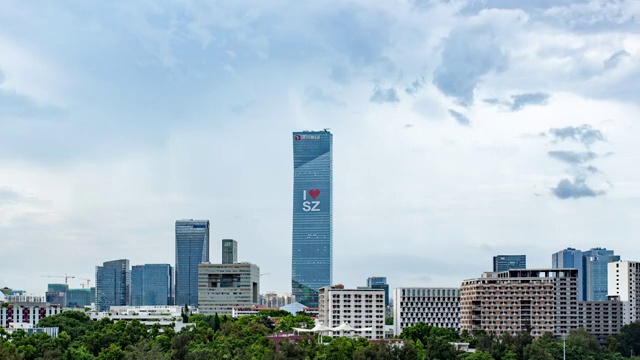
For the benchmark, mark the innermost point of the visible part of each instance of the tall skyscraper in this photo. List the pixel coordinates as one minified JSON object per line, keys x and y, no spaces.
{"x":570,"y":258}
{"x":592,"y":270}
{"x":595,"y":266}
{"x":113,"y":284}
{"x":509,"y":262}
{"x":229,"y":251}
{"x":151,"y":284}
{"x":311,"y":265}
{"x":192,"y":248}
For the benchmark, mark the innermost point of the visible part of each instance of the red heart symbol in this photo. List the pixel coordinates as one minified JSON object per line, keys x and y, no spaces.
{"x":314,"y":193}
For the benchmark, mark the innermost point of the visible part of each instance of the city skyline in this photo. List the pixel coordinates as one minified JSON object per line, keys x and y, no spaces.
{"x":462,"y":127}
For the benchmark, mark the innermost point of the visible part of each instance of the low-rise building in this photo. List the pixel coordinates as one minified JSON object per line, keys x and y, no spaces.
{"x":221,"y":287}
{"x":359,"y":308}
{"x":25,"y":311}
{"x":439,"y":307}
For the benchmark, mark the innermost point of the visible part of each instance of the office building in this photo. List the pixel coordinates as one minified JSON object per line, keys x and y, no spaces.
{"x":225,"y":286}
{"x":312,"y":250}
{"x":113,"y":284}
{"x":570,"y":258}
{"x":151,"y":284}
{"x":595,"y":267}
{"x":439,"y":307}
{"x":360,"y":308}
{"x":229,"y":251}
{"x":57,"y":294}
{"x":25,"y":311}
{"x":543,"y":300}
{"x":624,"y":282}
{"x":79,"y":297}
{"x":273,"y":300}
{"x":192,"y":249}
{"x":508,"y":262}
{"x":380,"y":282}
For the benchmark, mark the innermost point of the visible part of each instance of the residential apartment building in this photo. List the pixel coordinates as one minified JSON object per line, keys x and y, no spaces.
{"x":544,"y":300}
{"x":438,"y":307}
{"x":221,"y":287}
{"x":570,"y":258}
{"x":360,"y":308}
{"x":273,"y":300}
{"x":624,"y":282}
{"x":25,"y":311}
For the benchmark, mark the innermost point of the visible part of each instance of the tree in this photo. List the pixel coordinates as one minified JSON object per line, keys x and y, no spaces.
{"x":113,"y":352}
{"x":180,"y":346}
{"x":629,"y":339}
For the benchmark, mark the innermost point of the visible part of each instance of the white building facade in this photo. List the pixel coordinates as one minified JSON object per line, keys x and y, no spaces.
{"x":360,"y":308}
{"x":25,"y":311}
{"x":624,"y":282}
{"x":221,"y":287}
{"x":439,"y":307}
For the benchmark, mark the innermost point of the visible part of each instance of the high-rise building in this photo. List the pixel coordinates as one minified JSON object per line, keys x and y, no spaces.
{"x":312,"y":254}
{"x":57,"y":294}
{"x":151,"y":284}
{"x":79,"y":297}
{"x":229,"y":251}
{"x":570,"y":258}
{"x":439,"y":307}
{"x":225,"y":286}
{"x":509,"y":262}
{"x":537,"y":301}
{"x":113,"y":284}
{"x":624,"y":282}
{"x":360,"y":308}
{"x":192,"y":249}
{"x":380,"y":282}
{"x":595,"y":266}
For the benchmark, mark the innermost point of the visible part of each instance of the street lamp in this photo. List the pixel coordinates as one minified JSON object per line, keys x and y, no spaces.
{"x":564,"y":346}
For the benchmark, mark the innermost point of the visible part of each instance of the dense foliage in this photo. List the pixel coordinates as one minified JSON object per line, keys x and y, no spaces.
{"x":214,"y":337}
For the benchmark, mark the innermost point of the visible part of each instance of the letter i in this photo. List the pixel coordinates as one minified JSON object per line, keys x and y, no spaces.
{"x":304,"y":195}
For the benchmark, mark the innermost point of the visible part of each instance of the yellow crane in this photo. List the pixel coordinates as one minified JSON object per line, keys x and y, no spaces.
{"x":66,"y":277}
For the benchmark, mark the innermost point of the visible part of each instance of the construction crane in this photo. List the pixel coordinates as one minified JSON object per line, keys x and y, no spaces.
{"x":265,"y":274}
{"x":66,"y":277}
{"x":83,"y":284}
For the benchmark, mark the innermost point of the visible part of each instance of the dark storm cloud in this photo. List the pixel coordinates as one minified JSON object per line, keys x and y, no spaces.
{"x":522,"y":100}
{"x":574,"y":189}
{"x":460,"y":118}
{"x":572,"y":157}
{"x":381,"y":96}
{"x":468,"y":54}
{"x":584,"y":134}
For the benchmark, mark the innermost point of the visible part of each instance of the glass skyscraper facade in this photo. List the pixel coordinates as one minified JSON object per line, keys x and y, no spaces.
{"x":595,"y":266}
{"x":192,"y":248}
{"x":380,"y":282}
{"x":79,"y":297}
{"x":151,"y":284}
{"x":312,"y":215}
{"x":570,"y":258}
{"x":508,"y":262}
{"x":113,"y":284}
{"x":229,"y":251}
{"x":592,"y":270}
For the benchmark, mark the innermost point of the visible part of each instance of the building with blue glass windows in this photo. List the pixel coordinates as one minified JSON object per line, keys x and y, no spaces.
{"x":509,"y":262}
{"x":192,"y":249}
{"x":592,"y":270}
{"x":113,"y":284}
{"x":312,"y":250}
{"x":151,"y":284}
{"x":380,"y":282}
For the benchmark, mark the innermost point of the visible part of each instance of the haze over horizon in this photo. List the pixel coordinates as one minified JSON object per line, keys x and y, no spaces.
{"x":462,"y":130}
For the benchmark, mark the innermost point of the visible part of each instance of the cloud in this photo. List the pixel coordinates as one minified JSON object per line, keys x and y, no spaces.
{"x":381,"y":96}
{"x":615,"y":59}
{"x":415,"y":86}
{"x":468,"y":54}
{"x":574,"y":189}
{"x":460,"y":118}
{"x":522,"y":100}
{"x":584,"y":134}
{"x":572,"y":157}
{"x":9,"y":196}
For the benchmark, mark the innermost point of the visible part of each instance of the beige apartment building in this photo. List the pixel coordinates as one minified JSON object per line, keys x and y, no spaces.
{"x":361,"y":308}
{"x":540,"y":300}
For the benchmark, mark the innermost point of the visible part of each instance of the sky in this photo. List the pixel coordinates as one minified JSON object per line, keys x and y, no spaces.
{"x":462,"y":130}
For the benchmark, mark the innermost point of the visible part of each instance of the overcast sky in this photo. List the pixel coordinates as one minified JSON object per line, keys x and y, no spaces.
{"x":462,"y":130}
